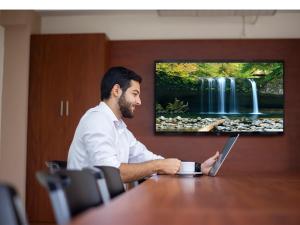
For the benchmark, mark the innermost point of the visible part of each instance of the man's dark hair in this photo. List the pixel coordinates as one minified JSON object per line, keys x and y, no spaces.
{"x":117,"y":75}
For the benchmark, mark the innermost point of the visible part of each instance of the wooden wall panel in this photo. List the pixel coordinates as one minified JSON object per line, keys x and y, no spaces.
{"x":251,"y":153}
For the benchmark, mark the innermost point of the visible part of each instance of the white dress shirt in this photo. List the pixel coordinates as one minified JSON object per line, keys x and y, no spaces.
{"x":102,"y":140}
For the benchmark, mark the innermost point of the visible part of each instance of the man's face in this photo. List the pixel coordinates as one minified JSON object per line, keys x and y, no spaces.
{"x":130,"y":99}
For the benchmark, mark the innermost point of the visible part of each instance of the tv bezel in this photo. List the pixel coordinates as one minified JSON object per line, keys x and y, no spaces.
{"x":217,"y":133}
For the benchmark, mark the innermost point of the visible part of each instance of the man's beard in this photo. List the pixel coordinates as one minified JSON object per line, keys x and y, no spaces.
{"x":125,"y":107}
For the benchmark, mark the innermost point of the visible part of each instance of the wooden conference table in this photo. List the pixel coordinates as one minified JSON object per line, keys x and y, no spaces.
{"x":226,"y":199}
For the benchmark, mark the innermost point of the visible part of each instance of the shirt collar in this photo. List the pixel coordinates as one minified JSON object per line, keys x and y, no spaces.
{"x":118,"y":123}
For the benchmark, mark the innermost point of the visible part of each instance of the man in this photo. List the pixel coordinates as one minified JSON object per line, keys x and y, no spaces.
{"x":102,"y":138}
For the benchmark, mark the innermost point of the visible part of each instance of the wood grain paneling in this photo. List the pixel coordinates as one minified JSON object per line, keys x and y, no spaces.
{"x":251,"y":153}
{"x":62,"y":68}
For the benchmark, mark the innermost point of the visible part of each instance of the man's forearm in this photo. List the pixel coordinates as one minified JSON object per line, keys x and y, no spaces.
{"x":135,"y":171}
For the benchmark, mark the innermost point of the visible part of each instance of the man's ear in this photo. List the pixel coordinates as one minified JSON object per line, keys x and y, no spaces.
{"x":116,"y":91}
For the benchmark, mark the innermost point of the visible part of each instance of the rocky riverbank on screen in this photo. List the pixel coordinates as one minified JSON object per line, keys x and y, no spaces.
{"x":244,"y":124}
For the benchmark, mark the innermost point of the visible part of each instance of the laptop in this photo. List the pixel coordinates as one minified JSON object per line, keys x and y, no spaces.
{"x":226,"y":149}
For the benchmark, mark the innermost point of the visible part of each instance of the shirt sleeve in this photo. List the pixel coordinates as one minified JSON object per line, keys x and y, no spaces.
{"x":138,"y":152}
{"x":99,"y":143}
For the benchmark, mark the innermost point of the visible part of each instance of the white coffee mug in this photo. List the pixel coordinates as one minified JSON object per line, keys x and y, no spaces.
{"x":187,"y":167}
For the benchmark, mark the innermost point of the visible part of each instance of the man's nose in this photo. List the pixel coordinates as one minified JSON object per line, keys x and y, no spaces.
{"x":138,"y":102}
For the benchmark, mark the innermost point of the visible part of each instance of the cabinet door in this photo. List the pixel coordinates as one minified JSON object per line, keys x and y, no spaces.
{"x":45,"y":123}
{"x":86,"y":68}
{"x":63,"y":69}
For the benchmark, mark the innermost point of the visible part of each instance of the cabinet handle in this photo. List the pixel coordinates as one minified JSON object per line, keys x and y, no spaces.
{"x":61,"y":113}
{"x":67,"y":108}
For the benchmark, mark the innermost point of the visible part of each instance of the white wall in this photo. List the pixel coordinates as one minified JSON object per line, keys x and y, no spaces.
{"x":19,"y":25}
{"x":2,"y":33}
{"x":14,"y":107}
{"x":135,"y":25}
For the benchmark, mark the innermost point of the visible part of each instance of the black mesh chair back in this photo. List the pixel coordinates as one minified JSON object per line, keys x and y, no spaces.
{"x":11,"y":208}
{"x":71,"y":192}
{"x":113,"y":180}
{"x":54,"y":165}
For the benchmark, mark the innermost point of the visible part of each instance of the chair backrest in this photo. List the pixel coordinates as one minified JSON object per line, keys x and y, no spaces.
{"x":71,"y":192}
{"x":54,"y":165}
{"x":102,"y":185}
{"x":113,"y":180}
{"x":11,"y":209}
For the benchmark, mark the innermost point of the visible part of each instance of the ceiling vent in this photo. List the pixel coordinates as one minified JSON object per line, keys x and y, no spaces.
{"x":213,"y":13}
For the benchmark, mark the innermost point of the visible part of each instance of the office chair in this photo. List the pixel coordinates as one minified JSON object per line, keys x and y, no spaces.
{"x":53,"y":165}
{"x":72,"y":191}
{"x":113,"y":180}
{"x":101,"y":182}
{"x":11,"y":208}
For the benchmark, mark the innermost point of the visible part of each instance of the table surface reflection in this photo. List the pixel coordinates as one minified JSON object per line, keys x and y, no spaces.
{"x":227,"y":199}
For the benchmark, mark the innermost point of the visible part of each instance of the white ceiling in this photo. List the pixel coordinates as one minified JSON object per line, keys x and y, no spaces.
{"x":174,"y":24}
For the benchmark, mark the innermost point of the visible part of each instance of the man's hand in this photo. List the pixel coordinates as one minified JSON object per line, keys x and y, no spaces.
{"x":134,"y":171}
{"x":207,"y":165}
{"x":168,"y":166}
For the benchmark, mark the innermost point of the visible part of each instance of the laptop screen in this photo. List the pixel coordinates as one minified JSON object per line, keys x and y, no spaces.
{"x":223,"y":154}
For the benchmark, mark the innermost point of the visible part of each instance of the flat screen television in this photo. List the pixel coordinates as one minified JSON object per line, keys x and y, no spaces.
{"x":219,"y":97}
